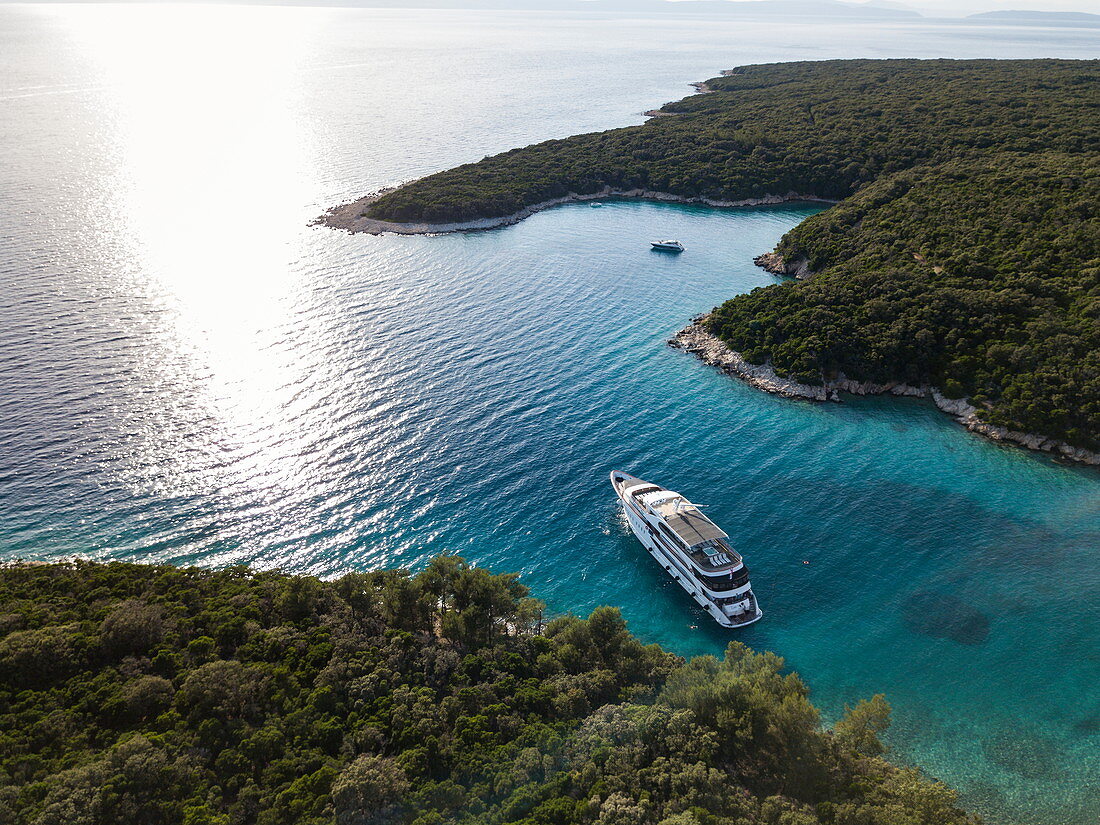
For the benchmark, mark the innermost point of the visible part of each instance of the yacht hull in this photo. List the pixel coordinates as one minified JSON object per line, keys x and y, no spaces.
{"x":672,"y":565}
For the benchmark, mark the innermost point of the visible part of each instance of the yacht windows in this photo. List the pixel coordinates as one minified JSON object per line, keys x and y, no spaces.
{"x":675,"y":539}
{"x":727,"y":581}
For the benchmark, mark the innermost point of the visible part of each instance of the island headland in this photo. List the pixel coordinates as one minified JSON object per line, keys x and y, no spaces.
{"x":962,"y":252}
{"x":697,"y":339}
{"x":149,"y":693}
{"x":355,"y":216}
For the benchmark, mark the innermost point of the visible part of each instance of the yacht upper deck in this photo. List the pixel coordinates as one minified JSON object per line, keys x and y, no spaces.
{"x":704,"y":541}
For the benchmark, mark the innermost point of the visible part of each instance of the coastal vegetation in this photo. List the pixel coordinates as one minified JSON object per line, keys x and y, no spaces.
{"x":964,"y":251}
{"x":153,"y":694}
{"x":917,"y":282}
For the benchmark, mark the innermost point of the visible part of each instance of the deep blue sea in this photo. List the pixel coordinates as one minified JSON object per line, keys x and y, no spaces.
{"x":190,"y":373}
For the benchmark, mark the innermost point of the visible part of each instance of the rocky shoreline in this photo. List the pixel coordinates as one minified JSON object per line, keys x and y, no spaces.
{"x":697,"y":340}
{"x":776,"y":264}
{"x":700,"y":88}
{"x":350,"y":217}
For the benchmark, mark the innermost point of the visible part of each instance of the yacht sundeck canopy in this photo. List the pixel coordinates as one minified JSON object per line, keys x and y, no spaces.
{"x":683,"y":517}
{"x":693,"y":527}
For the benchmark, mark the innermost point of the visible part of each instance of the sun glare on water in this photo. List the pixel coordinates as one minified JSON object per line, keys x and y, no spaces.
{"x":211,"y":188}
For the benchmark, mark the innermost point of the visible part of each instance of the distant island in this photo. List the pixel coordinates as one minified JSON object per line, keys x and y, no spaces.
{"x":855,"y":11}
{"x":820,"y":9}
{"x":153,"y":694}
{"x":962,"y":259}
{"x":1028,"y":17}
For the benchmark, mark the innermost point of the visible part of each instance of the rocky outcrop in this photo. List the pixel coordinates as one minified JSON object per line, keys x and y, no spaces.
{"x":352,"y":218}
{"x":697,"y":339}
{"x":776,"y":264}
{"x":701,"y":87}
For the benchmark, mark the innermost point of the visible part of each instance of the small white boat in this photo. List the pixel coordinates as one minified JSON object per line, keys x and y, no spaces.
{"x":691,"y":548}
{"x":667,"y":246}
{"x":596,"y":205}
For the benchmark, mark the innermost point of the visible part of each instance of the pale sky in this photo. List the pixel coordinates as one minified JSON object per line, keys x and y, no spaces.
{"x":957,"y":7}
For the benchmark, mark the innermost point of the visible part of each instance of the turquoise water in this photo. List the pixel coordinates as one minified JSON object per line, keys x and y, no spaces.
{"x":190,"y":373}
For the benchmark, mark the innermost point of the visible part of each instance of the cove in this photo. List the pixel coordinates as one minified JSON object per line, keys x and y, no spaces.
{"x":224,"y":388}
{"x":468,"y":393}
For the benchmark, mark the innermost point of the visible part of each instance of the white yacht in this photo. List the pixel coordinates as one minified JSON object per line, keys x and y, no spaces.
{"x":690,"y":547}
{"x":667,"y":246}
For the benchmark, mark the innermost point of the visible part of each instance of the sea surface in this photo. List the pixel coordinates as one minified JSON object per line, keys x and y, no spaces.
{"x":190,"y":373}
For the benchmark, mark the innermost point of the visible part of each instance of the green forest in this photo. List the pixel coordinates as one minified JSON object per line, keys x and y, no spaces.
{"x":965,"y":248}
{"x":152,"y":694}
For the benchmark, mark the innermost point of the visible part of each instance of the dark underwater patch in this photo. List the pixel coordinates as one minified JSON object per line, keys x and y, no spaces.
{"x":1088,"y":726}
{"x":943,"y":616}
{"x":1024,"y":752}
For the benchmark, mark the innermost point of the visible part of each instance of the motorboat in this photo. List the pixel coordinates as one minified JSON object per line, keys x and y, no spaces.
{"x":667,"y":246}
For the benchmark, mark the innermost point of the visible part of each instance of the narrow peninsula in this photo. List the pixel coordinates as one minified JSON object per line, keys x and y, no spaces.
{"x":962,"y":255}
{"x":153,"y":694}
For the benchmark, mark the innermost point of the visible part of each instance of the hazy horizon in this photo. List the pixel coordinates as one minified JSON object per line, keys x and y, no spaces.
{"x":927,"y":8}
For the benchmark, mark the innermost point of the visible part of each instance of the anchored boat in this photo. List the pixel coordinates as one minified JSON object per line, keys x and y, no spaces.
{"x":667,"y":246}
{"x":690,"y":547}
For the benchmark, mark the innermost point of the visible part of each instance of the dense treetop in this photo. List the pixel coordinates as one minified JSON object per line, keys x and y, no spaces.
{"x":820,"y":128}
{"x":151,"y":694}
{"x":968,"y":217}
{"x":952,"y":279}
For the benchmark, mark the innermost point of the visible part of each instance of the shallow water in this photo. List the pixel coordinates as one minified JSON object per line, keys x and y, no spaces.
{"x":190,"y":373}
